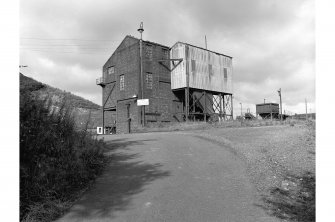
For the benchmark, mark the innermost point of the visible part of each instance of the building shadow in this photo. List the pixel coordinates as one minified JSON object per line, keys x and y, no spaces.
{"x":124,"y":177}
{"x":294,"y":200}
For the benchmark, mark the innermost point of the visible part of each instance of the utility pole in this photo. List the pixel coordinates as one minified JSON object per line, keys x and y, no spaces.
{"x":241,"y":109}
{"x":205,"y":42}
{"x":281,"y":107}
{"x":306,"y":107}
{"x":140,"y":30}
{"x":264,"y":101}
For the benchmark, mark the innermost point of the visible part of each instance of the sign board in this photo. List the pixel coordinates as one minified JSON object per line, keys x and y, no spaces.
{"x":142,"y":102}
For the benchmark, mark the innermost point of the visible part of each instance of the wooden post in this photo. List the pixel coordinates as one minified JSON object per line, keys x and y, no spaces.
{"x":103,"y":112}
{"x":306,"y":108}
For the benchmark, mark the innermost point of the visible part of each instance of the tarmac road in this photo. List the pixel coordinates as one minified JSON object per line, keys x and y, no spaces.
{"x":173,"y":176}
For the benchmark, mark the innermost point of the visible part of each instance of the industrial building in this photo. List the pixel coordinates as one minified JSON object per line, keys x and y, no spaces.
{"x":268,"y":110}
{"x":145,"y":82}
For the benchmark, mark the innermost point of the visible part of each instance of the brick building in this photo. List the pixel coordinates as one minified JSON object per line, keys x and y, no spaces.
{"x":201,"y":84}
{"x":121,"y":86}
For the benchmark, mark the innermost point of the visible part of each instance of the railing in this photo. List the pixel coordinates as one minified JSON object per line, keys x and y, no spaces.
{"x":100,"y":81}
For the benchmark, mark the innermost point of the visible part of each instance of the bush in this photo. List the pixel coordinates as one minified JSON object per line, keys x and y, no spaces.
{"x":56,"y":159}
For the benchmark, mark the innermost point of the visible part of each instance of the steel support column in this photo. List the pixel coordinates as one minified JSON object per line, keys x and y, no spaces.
{"x":187,"y":103}
{"x":220,"y":96}
{"x":205,"y":108}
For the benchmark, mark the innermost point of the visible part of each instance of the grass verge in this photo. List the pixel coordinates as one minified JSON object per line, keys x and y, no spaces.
{"x":57,"y":160}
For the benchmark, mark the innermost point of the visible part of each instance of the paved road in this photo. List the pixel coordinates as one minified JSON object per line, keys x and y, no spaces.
{"x":174,"y":176}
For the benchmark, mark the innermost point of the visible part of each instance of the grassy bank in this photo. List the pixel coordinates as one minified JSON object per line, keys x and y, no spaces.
{"x":201,"y":125}
{"x":57,"y":161}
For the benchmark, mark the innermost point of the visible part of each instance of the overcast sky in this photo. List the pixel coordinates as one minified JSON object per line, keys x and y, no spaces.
{"x":272,"y":42}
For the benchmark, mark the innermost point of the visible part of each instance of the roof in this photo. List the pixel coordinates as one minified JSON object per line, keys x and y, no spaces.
{"x":149,"y":42}
{"x":202,"y":49}
{"x":263,"y":104}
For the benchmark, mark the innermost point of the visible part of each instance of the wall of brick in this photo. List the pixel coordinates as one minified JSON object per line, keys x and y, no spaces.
{"x":122,"y":115}
{"x":126,"y":61}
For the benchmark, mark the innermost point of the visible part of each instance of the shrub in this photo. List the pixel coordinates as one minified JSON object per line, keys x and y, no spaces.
{"x":56,"y":159}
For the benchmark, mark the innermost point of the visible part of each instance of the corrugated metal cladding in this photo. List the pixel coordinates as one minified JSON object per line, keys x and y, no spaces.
{"x":206,"y":70}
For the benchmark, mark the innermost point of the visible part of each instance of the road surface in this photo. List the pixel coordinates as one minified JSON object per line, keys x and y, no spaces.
{"x":172,"y":176}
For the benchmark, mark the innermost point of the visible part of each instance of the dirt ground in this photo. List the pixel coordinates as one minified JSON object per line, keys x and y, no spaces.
{"x":271,"y":151}
{"x":281,"y":164}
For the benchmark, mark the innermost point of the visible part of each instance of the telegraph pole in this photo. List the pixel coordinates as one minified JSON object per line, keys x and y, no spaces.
{"x":281,"y":113}
{"x":140,"y":30}
{"x":241,"y":109}
{"x":306,"y":107}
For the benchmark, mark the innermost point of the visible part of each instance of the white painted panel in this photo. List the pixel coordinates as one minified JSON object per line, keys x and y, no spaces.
{"x":142,"y":102}
{"x":201,"y":77}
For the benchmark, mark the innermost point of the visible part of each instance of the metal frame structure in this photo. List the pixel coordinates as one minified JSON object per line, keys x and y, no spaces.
{"x":101,"y":82}
{"x":174,"y":65}
{"x":193,"y":109}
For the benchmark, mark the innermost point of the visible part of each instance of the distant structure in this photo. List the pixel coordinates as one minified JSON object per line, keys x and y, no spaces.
{"x":268,"y":110}
{"x":181,"y":83}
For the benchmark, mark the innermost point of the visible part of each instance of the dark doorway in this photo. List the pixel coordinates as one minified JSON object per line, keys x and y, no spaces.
{"x":128,"y":119}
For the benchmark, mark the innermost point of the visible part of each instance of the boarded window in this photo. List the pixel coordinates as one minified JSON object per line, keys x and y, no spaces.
{"x":193,"y":66}
{"x":121,"y":82}
{"x":111,"y":70}
{"x":148,"y":80}
{"x":210,"y":70}
{"x":148,"y":52}
{"x":225,"y":75}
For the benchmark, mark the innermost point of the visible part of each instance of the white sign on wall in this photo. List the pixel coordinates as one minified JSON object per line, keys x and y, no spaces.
{"x":142,"y":102}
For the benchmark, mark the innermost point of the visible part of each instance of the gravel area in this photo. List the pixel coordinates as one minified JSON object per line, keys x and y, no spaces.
{"x":281,"y":165}
{"x":270,"y":151}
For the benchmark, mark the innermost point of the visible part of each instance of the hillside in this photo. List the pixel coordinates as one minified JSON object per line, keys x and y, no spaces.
{"x":83,"y":108}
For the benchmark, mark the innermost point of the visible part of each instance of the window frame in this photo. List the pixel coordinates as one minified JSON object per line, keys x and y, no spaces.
{"x":111,"y":68}
{"x":149,"y":81}
{"x":165,"y":53}
{"x":149,"y":53}
{"x":122,"y":82}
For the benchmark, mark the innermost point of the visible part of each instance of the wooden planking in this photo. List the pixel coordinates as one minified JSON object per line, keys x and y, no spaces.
{"x":178,"y":75}
{"x":206,"y":69}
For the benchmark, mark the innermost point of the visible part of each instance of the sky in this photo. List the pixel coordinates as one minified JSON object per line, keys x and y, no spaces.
{"x":272,"y":42}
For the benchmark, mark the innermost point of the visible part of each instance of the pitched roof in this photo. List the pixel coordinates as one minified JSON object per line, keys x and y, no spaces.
{"x":202,"y":49}
{"x":149,"y":42}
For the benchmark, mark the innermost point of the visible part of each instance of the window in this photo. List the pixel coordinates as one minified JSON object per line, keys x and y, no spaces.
{"x":210,"y":70}
{"x":121,"y":82}
{"x":148,"y":52}
{"x":193,"y":66}
{"x":110,"y":70}
{"x":225,"y":75}
{"x":165,"y":53}
{"x":148,"y":80}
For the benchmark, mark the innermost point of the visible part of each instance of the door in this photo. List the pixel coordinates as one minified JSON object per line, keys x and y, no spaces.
{"x":128,"y":119}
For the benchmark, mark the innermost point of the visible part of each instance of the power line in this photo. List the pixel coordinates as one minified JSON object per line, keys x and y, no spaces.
{"x":62,"y":39}
{"x":66,"y":52}
{"x":47,"y":48}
